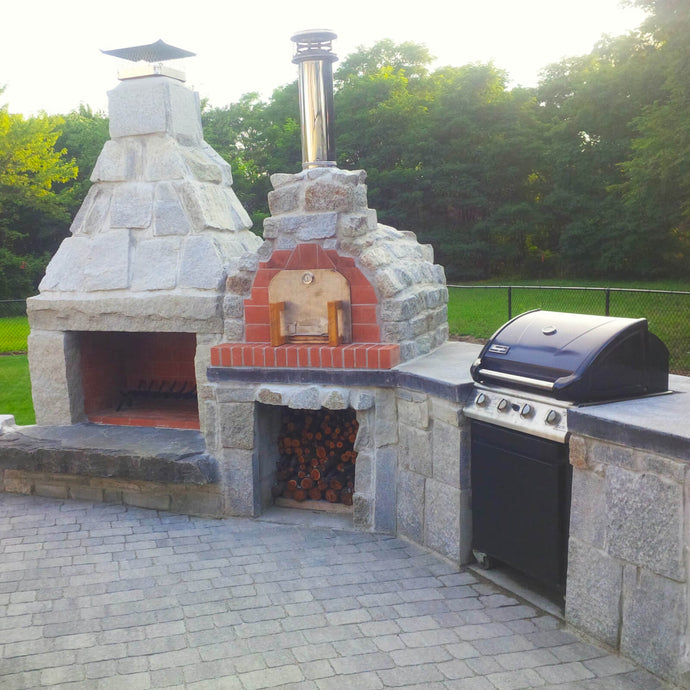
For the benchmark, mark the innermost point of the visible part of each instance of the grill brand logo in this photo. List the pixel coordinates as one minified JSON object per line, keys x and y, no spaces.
{"x":499,"y":349}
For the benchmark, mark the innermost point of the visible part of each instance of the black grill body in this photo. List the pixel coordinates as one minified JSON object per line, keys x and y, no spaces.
{"x":575,"y":357}
{"x":521,"y":502}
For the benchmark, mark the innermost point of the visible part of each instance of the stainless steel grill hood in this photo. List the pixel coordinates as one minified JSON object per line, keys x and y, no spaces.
{"x":575,"y":357}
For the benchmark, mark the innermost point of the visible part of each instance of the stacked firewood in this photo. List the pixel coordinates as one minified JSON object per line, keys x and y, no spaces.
{"x":317,"y":459}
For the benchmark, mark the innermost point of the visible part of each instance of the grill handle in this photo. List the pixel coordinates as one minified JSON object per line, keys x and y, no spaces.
{"x":521,"y":380}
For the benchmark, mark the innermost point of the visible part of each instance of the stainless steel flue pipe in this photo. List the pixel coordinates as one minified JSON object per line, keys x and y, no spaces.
{"x":315,"y":59}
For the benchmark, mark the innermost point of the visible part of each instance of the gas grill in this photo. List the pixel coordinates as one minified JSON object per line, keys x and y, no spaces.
{"x":534,"y":369}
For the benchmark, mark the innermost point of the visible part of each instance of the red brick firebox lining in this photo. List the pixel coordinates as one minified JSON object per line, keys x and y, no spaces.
{"x":366,"y":350}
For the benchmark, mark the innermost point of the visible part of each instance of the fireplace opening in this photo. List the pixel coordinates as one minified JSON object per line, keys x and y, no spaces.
{"x":139,"y":379}
{"x":316,"y":457}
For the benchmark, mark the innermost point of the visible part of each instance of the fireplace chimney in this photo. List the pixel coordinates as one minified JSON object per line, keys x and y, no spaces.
{"x":315,"y":58}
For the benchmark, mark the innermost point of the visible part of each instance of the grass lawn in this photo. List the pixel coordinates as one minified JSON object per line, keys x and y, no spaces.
{"x":15,"y":389}
{"x":472,"y":311}
{"x":14,"y":330}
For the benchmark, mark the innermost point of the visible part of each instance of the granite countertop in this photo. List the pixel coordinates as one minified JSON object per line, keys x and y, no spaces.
{"x":660,"y":424}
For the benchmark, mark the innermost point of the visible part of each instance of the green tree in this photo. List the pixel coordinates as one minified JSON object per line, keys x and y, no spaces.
{"x":30,"y":210}
{"x":657,"y":172}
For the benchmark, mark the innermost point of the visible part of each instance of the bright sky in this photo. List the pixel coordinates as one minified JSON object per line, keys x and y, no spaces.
{"x":50,"y":58}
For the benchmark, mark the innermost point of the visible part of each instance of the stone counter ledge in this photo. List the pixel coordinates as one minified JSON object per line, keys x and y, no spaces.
{"x":168,"y":456}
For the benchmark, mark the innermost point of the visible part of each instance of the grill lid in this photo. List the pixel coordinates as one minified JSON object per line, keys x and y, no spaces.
{"x":575,"y":357}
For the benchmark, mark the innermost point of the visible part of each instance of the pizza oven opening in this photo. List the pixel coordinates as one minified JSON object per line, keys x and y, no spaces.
{"x":310,"y":306}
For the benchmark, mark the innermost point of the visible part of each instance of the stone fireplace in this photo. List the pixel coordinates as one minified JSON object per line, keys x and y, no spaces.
{"x":133,"y":300}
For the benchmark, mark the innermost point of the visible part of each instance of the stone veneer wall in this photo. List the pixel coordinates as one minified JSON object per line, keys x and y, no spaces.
{"x":412,"y":470}
{"x":328,"y":207}
{"x":629,"y":555}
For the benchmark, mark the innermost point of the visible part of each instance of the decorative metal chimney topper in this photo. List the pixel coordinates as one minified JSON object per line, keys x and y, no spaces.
{"x":149,"y":60}
{"x":315,"y":58}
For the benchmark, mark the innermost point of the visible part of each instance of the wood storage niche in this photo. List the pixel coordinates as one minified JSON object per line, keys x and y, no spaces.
{"x":316,"y":456}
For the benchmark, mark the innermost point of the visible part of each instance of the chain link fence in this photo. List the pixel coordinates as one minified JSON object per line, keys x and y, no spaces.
{"x":14,"y":327}
{"x":479,"y":310}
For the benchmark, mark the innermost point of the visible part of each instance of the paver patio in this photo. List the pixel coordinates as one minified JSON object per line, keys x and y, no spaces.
{"x":107,"y":596}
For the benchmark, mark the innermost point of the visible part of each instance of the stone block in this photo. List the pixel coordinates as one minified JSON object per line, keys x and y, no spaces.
{"x":131,"y":205}
{"x":154,"y":266}
{"x":445,"y":411}
{"x":414,"y":412}
{"x":442,"y":519}
{"x":356,"y":224}
{"x":235,"y":393}
{"x":362,"y":509}
{"x":610,"y":454}
{"x":107,"y":265}
{"x":17,"y":482}
{"x":465,"y":513}
{"x":588,"y":514}
{"x":240,"y":482}
{"x":147,"y":499}
{"x":233,"y":330}
{"x":335,"y":398}
{"x":65,"y":272}
{"x":200,"y":264}
{"x":365,"y":436}
{"x":270,"y":396}
{"x":577,"y":449}
{"x":93,"y":214}
{"x":7,"y":423}
{"x":446,"y":453}
{"x":317,"y":226}
{"x":410,"y":508}
{"x":361,"y":400}
{"x":212,"y":207}
{"x":415,"y":450}
{"x":118,"y":161}
{"x":655,"y":613}
{"x":50,"y":489}
{"x":201,"y":166}
{"x":364,"y":477}
{"x":237,"y":425}
{"x":54,"y":364}
{"x":375,"y":257}
{"x":594,"y":590}
{"x":83,"y":492}
{"x":386,"y":419}
{"x":321,"y":197}
{"x":200,"y":503}
{"x":285,"y":199}
{"x":169,"y":217}
{"x":308,"y":398}
{"x":642,"y":535}
{"x":154,"y":105}
{"x":385,"y":469}
{"x":163,"y":160}
{"x":674,"y":470}
{"x":233,"y":306}
{"x":402,"y":308}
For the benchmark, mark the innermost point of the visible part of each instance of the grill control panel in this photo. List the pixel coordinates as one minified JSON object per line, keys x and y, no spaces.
{"x":532,"y":414}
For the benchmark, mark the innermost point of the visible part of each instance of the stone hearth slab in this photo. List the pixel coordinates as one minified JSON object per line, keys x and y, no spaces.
{"x":173,"y":456}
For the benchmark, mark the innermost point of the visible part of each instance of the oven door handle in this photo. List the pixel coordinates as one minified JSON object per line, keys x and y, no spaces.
{"x":514,"y":378}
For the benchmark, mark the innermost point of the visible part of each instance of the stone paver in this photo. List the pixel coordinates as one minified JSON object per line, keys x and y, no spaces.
{"x":97,"y":596}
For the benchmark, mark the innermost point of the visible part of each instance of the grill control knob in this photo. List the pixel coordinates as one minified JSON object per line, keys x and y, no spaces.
{"x":503,"y":405}
{"x":527,"y":410}
{"x":481,"y":400}
{"x":552,"y":417}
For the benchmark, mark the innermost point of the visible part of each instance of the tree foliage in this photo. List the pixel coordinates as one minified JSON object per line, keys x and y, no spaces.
{"x":585,"y":176}
{"x":30,"y":209}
